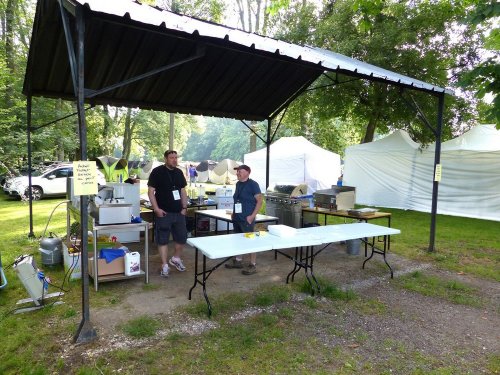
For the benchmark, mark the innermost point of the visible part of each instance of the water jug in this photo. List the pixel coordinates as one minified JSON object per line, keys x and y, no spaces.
{"x":132,"y":263}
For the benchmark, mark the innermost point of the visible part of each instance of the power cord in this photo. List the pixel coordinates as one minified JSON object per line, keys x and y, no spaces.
{"x":50,"y":217}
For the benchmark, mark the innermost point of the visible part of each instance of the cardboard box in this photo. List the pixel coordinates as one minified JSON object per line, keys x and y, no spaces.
{"x":117,"y":266}
{"x":74,"y":260}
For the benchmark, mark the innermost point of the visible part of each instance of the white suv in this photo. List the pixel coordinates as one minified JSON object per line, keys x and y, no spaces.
{"x":51,"y":182}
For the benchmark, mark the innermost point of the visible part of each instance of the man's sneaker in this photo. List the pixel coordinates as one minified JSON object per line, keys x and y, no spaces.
{"x":165,"y":271}
{"x":177,"y":263}
{"x":249,"y":270}
{"x":235,"y":263}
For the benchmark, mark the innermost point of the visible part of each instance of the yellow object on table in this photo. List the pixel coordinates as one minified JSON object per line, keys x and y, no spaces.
{"x":249,"y":235}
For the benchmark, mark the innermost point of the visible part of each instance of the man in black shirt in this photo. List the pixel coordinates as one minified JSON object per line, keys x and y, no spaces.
{"x":167,"y":194}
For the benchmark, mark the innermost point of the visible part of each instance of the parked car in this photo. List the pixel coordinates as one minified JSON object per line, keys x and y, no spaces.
{"x":51,"y":182}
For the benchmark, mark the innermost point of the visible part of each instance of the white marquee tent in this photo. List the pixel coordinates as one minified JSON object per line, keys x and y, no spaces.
{"x":393,"y":172}
{"x":382,"y":170}
{"x":295,"y":160}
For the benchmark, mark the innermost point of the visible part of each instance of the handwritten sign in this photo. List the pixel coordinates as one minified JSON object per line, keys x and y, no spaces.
{"x":85,"y":177}
{"x":437,"y":173}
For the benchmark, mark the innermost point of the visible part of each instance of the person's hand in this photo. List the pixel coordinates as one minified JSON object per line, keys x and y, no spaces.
{"x":184,"y":211}
{"x":159,"y":212}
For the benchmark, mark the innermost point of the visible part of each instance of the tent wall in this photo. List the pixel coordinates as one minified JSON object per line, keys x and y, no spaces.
{"x":295,"y":160}
{"x":382,"y":171}
{"x":391,"y":174}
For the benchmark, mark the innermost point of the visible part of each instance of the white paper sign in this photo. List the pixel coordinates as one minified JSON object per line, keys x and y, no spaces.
{"x":437,"y":173}
{"x":84,"y":177}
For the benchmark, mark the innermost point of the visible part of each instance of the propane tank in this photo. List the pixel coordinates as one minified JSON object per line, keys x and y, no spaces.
{"x":51,"y":250}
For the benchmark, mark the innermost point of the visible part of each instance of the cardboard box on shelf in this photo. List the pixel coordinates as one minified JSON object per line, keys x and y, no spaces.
{"x":73,"y":260}
{"x":117,"y":266}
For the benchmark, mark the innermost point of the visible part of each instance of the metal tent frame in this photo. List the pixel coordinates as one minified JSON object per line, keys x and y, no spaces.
{"x":123,"y":53}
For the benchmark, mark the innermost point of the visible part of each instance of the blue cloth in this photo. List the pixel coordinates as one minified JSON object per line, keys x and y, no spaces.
{"x":136,"y":219}
{"x":111,"y":254}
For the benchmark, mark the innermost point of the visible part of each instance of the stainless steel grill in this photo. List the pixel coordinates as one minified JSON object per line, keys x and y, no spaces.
{"x":338,"y":198}
{"x":284,"y":202}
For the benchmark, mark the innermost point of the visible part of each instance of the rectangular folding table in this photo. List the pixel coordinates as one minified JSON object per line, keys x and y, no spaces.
{"x":224,"y":247}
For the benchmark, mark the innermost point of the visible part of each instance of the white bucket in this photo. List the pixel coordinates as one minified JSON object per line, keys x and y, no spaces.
{"x":132,"y":263}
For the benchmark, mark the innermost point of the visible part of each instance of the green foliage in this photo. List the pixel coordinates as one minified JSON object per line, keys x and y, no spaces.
{"x":211,"y":10}
{"x":417,"y":40}
{"x":484,"y":77}
{"x":220,"y":139}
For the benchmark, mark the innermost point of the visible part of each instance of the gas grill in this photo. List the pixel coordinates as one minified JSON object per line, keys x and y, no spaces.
{"x":285,"y":202}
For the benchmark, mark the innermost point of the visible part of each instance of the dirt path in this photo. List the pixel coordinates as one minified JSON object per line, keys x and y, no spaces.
{"x":422,"y":324}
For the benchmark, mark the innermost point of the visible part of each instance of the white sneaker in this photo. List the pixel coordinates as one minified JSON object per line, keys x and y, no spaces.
{"x":165,"y":271}
{"x":177,"y":263}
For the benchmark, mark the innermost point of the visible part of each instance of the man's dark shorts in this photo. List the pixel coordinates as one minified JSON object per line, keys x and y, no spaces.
{"x":243,"y":227}
{"x":174,"y":223}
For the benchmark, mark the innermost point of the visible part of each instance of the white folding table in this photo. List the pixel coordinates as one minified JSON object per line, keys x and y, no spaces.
{"x":225,"y":247}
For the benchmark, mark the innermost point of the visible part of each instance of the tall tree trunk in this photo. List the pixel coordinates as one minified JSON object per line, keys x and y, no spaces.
{"x":253,"y":137}
{"x":106,"y":129}
{"x":249,"y":15}
{"x":370,"y":130}
{"x":9,"y":49}
{"x":241,"y":13}
{"x":377,"y":104}
{"x":127,"y":135}
{"x":60,"y":144}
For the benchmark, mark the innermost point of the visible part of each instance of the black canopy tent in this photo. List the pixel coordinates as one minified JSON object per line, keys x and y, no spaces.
{"x":122,"y":53}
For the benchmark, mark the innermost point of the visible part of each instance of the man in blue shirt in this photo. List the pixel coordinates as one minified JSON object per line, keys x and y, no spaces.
{"x":192,"y":174}
{"x":247,"y":203}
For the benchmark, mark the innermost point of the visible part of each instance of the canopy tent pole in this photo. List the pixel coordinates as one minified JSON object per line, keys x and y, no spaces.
{"x":85,"y":332}
{"x":435,"y":184}
{"x":437,"y":157}
{"x":268,"y":150}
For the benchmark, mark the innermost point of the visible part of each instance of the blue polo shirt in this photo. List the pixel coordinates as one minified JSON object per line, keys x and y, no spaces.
{"x":245,"y":194}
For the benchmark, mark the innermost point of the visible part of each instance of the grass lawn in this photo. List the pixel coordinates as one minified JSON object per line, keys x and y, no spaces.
{"x":30,"y":342}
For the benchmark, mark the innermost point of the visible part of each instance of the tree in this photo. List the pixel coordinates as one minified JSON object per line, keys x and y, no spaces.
{"x":219,"y":139}
{"x":16,"y":20}
{"x":485,"y":76}
{"x":412,"y":38}
{"x":211,"y":10}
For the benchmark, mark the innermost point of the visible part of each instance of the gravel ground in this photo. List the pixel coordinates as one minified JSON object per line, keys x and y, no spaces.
{"x":411,"y":324}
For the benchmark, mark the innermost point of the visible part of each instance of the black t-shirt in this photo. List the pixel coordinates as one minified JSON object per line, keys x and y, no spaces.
{"x":165,"y":181}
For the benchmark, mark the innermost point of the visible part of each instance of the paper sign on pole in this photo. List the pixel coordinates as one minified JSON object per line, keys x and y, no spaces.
{"x":437,"y":173}
{"x":85,"y":177}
